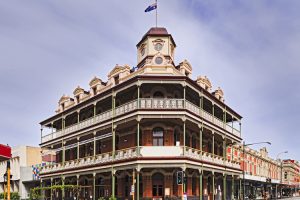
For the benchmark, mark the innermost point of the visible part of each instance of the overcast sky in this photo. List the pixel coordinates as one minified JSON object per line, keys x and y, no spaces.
{"x":248,"y":48}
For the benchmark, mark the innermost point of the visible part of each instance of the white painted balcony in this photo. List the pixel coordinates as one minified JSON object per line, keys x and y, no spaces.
{"x":150,"y":103}
{"x":92,"y":160}
{"x":126,"y":108}
{"x":145,"y":103}
{"x":145,"y":151}
{"x":161,"y":151}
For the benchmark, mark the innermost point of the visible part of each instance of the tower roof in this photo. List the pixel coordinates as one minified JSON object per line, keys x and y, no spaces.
{"x":157,"y":31}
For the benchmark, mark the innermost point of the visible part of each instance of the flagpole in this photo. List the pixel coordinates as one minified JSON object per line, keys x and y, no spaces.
{"x":156,"y":12}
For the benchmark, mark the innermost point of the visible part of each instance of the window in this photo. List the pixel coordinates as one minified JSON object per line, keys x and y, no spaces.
{"x":116,"y":80}
{"x":94,"y":90}
{"x":158,"y":137}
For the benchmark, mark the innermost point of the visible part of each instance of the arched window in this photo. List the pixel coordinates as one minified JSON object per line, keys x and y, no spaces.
{"x":158,"y":136}
{"x":158,"y":94}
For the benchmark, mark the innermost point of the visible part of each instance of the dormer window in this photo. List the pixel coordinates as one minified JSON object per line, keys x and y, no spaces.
{"x":116,"y":78}
{"x":77,"y":99}
{"x":94,"y":90}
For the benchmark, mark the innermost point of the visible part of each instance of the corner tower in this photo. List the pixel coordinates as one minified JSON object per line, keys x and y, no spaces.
{"x":156,"y":48}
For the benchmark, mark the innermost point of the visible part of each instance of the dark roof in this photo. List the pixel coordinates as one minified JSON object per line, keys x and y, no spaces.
{"x":157,"y":31}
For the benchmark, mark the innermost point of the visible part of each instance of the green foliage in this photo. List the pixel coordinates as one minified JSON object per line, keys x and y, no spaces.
{"x":37,"y":193}
{"x":101,"y":198}
{"x":13,"y":196}
{"x":112,"y":198}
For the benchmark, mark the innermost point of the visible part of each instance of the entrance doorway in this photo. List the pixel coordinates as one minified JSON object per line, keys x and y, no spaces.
{"x":158,"y":186}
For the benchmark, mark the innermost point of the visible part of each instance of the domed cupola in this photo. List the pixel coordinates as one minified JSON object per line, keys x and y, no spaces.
{"x":156,"y":48}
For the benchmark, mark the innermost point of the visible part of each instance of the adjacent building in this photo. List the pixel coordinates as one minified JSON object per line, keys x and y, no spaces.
{"x":291,"y":176}
{"x":22,"y":160}
{"x":141,"y":127}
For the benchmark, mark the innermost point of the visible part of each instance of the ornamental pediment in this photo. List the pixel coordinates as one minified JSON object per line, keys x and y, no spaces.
{"x":186,"y":64}
{"x":117,"y":69}
{"x":219,"y":91}
{"x":64,"y":98}
{"x":95,"y":81}
{"x":78,"y":91}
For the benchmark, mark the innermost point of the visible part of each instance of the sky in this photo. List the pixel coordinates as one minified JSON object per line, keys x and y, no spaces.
{"x":248,"y":48}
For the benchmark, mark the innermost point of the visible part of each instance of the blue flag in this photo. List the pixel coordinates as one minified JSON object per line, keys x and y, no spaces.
{"x":151,"y":7}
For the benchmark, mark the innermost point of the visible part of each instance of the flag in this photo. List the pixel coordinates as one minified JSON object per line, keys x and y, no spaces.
{"x":151,"y":7}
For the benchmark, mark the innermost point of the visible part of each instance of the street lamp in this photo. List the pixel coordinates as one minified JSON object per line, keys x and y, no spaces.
{"x":277,"y":157}
{"x":245,"y":145}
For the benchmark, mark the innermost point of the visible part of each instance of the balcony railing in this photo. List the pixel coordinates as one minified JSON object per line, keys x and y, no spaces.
{"x":145,"y":151}
{"x":91,"y":160}
{"x":145,"y":103}
{"x":161,"y":103}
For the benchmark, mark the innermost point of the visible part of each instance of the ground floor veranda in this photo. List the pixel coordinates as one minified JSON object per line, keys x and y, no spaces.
{"x":149,"y":183}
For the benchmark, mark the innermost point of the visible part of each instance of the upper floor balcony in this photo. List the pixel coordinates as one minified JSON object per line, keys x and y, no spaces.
{"x":150,"y":104}
{"x":146,"y":98}
{"x":178,"y":152}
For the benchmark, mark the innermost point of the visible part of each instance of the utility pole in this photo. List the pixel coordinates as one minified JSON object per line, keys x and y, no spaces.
{"x":8,"y":180}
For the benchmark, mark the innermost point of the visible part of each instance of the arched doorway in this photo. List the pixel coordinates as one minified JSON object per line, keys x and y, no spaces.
{"x":158,"y":185}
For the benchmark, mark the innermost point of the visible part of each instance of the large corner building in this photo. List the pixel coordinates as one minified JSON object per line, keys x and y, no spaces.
{"x":140,"y":127}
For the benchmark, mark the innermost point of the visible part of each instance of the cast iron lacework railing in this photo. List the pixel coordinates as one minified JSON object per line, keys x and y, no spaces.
{"x":145,"y":151}
{"x":145,"y":103}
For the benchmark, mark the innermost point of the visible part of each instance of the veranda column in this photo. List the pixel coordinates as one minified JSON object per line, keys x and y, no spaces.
{"x":224,"y":186}
{"x":224,"y":149}
{"x":63,"y":153}
{"x":51,"y":191}
{"x":138,"y":137}
{"x":63,"y":189}
{"x":94,"y":144}
{"x":184,"y":96}
{"x":78,"y":148}
{"x":213,"y":185}
{"x":138,"y":96}
{"x":113,"y":181}
{"x":113,"y":126}
{"x":200,"y":185}
{"x":77,"y":179}
{"x":213,"y":144}
{"x":240,"y":193}
{"x":137,"y":185}
{"x":94,"y":186}
{"x":78,"y":117}
{"x":184,"y":136}
{"x":41,"y":186}
{"x":63,"y":123}
{"x":200,"y":138}
{"x":232,"y":187}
